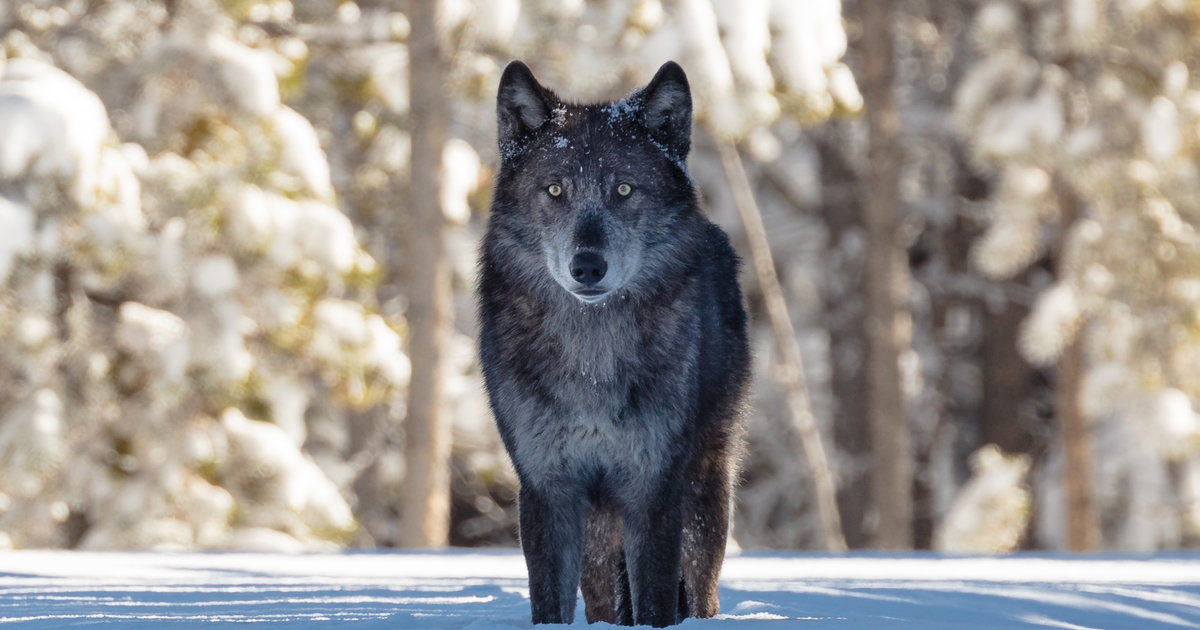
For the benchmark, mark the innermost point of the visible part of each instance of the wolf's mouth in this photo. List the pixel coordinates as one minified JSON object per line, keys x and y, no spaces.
{"x":590,"y":295}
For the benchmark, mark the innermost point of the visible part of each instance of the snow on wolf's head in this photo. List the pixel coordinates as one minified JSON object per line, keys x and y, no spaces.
{"x":593,"y":192}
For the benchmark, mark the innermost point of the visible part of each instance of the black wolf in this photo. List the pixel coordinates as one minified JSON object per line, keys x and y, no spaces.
{"x":614,"y":351}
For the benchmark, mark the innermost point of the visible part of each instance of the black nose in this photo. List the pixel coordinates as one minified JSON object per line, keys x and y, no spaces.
{"x":588,"y":268}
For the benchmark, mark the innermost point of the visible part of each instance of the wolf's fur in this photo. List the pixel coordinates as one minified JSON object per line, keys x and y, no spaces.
{"x":614,"y":351}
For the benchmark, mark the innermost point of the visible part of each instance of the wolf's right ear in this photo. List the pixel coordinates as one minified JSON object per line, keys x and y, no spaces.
{"x":522,"y":104}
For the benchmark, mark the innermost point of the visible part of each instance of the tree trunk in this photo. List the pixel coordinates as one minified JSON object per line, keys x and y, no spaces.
{"x":1083,"y":530}
{"x":888,"y":321}
{"x":1083,"y":522}
{"x":425,"y":513}
{"x":841,"y":206}
{"x":1008,"y":380}
{"x":785,"y":337}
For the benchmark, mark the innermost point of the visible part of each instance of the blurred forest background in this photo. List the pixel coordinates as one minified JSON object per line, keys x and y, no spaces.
{"x":238,"y":240}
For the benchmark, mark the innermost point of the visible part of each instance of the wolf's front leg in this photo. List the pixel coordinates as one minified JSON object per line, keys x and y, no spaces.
{"x":552,"y":540}
{"x":706,"y":511}
{"x":605,"y":583}
{"x":653,"y":535}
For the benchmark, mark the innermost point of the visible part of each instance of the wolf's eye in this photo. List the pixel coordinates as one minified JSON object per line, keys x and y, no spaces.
{"x":624,"y":189}
{"x":554,"y":190}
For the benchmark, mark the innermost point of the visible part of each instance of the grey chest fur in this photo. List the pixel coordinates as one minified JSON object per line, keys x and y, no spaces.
{"x":592,"y":423}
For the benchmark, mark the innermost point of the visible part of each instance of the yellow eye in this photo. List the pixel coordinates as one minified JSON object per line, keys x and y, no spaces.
{"x":554,"y":190}
{"x":624,"y":189}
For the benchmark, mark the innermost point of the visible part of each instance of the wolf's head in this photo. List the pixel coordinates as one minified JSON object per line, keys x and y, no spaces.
{"x":593,"y":191}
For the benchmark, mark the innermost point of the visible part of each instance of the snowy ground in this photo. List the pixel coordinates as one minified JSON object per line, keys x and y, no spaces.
{"x":486,"y":591}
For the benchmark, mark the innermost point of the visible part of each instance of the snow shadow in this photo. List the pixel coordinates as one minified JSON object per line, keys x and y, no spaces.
{"x":867,"y":605}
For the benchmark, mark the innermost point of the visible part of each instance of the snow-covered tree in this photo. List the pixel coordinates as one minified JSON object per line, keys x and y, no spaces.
{"x":181,"y":292}
{"x":1087,"y":112}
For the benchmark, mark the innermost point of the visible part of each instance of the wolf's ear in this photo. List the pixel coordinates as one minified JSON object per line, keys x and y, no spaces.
{"x":522,"y":104}
{"x":667,"y":109}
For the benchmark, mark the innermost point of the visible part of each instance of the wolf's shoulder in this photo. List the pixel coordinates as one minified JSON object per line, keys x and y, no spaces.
{"x":718,"y":247}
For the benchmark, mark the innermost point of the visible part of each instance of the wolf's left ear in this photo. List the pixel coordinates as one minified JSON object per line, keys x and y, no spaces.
{"x":522,"y":104}
{"x":667,"y":109}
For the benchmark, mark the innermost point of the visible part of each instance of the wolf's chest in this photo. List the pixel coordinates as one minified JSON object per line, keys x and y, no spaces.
{"x":608,"y":394}
{"x":585,"y":442}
